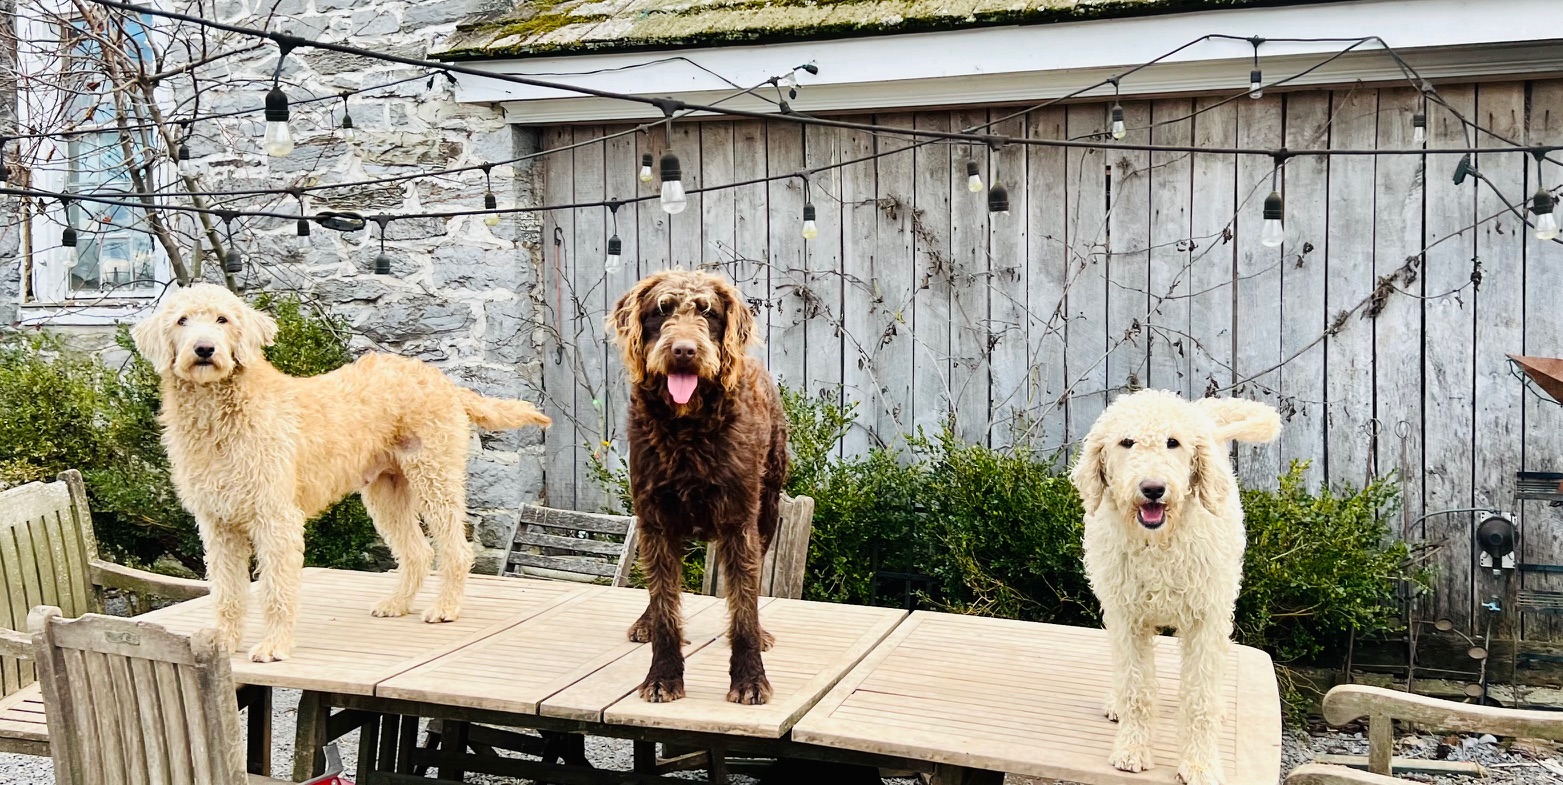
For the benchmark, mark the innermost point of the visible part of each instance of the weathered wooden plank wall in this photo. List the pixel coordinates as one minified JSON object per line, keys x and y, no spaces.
{"x":1113,"y":269}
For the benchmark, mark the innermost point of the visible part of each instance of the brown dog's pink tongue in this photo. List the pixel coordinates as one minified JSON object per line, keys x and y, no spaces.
{"x":681,"y":386}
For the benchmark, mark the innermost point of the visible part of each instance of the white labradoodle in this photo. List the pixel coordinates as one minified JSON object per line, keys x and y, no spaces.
{"x":1164,"y":544}
{"x":256,"y":453}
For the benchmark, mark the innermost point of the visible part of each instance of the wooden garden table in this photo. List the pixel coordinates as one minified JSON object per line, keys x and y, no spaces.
{"x":963,"y":697}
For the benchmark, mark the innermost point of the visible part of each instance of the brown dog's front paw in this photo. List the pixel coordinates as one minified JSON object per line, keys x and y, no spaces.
{"x":664,"y":690}
{"x":640,"y":631}
{"x":750,"y":692}
{"x":767,"y":640}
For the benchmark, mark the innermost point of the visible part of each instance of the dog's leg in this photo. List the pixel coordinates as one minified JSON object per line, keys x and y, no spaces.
{"x":1134,"y":692}
{"x":1205,"y":648}
{"x":228,"y":568}
{"x":279,"y":550}
{"x":437,"y":474}
{"x":447,"y":522}
{"x":390,"y":504}
{"x":664,"y":576}
{"x":740,"y":554}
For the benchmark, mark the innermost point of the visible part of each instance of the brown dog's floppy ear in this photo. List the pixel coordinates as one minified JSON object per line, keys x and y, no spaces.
{"x":624,"y":325}
{"x":1210,"y":476}
{"x":1090,"y":474}
{"x":153,"y":343}
{"x":740,"y":333}
{"x":257,"y":330}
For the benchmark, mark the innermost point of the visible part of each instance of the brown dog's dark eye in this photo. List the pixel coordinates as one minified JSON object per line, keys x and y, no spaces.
{"x":222,"y":320}
{"x":181,"y":321}
{"x":665,"y":307}
{"x":1172,"y":444}
{"x":1126,"y":443}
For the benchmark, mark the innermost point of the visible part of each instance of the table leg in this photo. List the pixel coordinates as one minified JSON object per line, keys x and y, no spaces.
{"x":369,"y":750}
{"x":946,"y":774}
{"x":257,"y":752}
{"x":717,"y":766}
{"x":453,"y":744}
{"x":309,"y":759}
{"x":406,"y":743}
{"x":645,"y":757}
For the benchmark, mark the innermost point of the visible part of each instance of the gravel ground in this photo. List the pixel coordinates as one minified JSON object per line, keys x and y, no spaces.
{"x":1507,"y":763}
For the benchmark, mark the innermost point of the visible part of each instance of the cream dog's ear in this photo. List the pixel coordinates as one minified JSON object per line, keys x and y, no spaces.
{"x":1090,"y":474}
{"x":257,"y":330}
{"x":153,"y":342}
{"x":1242,"y":420}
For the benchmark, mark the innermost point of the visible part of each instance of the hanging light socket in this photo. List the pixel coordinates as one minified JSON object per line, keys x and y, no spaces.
{"x":810,"y":227}
{"x":1256,"y":84}
{"x":1119,"y":129}
{"x":302,"y":233}
{"x":998,"y":199}
{"x":1274,"y":231}
{"x":1542,"y":205}
{"x":615,"y":261}
{"x":645,"y":167}
{"x":68,"y":237}
{"x":973,"y":177}
{"x":382,"y":264}
{"x":1419,"y":128}
{"x":233,"y":261}
{"x":674,"y":201}
{"x":279,"y":138}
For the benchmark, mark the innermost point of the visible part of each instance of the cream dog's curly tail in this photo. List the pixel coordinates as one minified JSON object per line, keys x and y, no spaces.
{"x":1242,"y":420}
{"x":499,"y":414}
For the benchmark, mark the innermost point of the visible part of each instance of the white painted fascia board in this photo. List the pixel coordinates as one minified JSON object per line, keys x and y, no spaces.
{"x":1444,"y":38}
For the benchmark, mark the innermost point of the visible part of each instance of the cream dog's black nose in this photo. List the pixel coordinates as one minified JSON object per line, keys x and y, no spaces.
{"x":204,"y":351}
{"x":1152,"y":490}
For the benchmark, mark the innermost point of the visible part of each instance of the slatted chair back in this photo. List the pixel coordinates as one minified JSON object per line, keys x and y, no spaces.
{"x":130,"y":703}
{"x":46,"y":552}
{"x":574,"y":546}
{"x":786,"y":562}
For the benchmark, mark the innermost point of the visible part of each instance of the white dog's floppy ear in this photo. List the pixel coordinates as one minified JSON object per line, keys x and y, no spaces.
{"x":152,"y":342}
{"x":257,"y":331}
{"x":1211,"y":476}
{"x":1090,"y":474}
{"x":1242,"y":420}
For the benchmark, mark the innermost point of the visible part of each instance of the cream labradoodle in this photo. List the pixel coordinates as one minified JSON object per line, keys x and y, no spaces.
{"x":1164,"y":544}
{"x":256,"y":453}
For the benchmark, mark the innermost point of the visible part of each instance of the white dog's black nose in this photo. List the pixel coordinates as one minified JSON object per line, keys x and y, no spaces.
{"x":204,"y":350}
{"x":1152,"y":490}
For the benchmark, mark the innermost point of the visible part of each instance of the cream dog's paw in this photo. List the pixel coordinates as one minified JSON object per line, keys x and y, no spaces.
{"x":1131,"y":757}
{"x":269,"y":651}
{"x":1196,"y":773}
{"x":440,"y":612}
{"x":390,"y":608}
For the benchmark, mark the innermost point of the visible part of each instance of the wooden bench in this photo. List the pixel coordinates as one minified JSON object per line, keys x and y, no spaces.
{"x":48,"y":556}
{"x":566,"y":545}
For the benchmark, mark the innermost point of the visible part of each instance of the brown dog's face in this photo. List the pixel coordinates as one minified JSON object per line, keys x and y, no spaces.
{"x":682,"y":330}
{"x":202,"y":333}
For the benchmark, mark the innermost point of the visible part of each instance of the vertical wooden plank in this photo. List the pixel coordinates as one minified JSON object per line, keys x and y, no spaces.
{"x":69,"y":588}
{"x":859,"y":218}
{"x":1047,"y":269}
{"x":969,"y":282}
{"x":822,"y":295}
{"x":105,"y":715}
{"x":688,"y":249}
{"x":1543,"y":539}
{"x":149,"y":712}
{"x":931,"y":270}
{"x":12,"y":670}
{"x":1397,"y":240}
{"x":176,"y":738}
{"x":16,"y":594}
{"x":621,"y":180}
{"x":752,"y":227}
{"x":585,"y":316}
{"x":1500,"y":323}
{"x":131,"y":729}
{"x":1258,"y":283}
{"x":1128,"y":258}
{"x":558,"y":376}
{"x":789,"y":252}
{"x":716,"y":214}
{"x":38,"y":542}
{"x":1008,"y":363}
{"x":1085,"y":369}
{"x":891,"y":315}
{"x":1303,"y":273}
{"x":1349,"y":351}
{"x":1172,"y":182}
{"x":1215,"y":255}
{"x":1448,"y":371}
{"x":653,"y":239}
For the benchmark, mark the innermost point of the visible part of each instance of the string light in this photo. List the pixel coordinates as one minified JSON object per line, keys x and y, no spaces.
{"x":673,"y":199}
{"x":1542,"y":206}
{"x":1419,"y":127}
{"x":382,"y":262}
{"x":998,"y":199}
{"x":349,"y":133}
{"x":973,"y":177}
{"x":1256,"y":80}
{"x":278,"y":140}
{"x":645,"y":167}
{"x":233,"y":259}
{"x":810,"y":228}
{"x":186,"y":165}
{"x":1274,"y":231}
{"x":68,"y":234}
{"x":615,"y":261}
{"x":302,"y":228}
{"x":490,"y":202}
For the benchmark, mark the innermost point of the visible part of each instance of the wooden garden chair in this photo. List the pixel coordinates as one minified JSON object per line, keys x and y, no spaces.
{"x":130,"y":702}
{"x":1382,"y":707}
{"x":48,"y":556}
{"x":566,"y":545}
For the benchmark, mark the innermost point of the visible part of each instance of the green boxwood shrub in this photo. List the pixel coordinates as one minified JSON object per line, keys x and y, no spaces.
{"x":61,"y":409}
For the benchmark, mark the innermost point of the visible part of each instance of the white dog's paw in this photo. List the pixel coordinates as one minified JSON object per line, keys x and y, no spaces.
{"x":440,"y":612}
{"x":269,"y":651}
{"x":1111,"y":713}
{"x":1194,"y":773}
{"x":229,"y":640}
{"x":390,"y":608}
{"x":1131,"y":757}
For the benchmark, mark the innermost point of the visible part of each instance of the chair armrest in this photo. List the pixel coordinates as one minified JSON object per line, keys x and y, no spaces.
{"x":118,"y":576}
{"x":1323,"y":774}
{"x":1350,"y":701}
{"x":16,"y":644}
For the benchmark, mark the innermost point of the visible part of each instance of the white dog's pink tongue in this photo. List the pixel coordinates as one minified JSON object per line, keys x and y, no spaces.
{"x":681,"y":386}
{"x":1151,"y":513}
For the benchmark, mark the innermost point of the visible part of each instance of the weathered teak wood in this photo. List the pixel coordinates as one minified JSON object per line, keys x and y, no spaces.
{"x":785,"y":563}
{"x":1442,"y":768}
{"x":1320,"y":774}
{"x":573,"y":546}
{"x":1026,"y":698}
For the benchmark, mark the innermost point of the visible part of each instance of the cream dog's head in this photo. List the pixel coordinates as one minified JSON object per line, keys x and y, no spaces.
{"x":1151,"y":452}
{"x":203,"y":333}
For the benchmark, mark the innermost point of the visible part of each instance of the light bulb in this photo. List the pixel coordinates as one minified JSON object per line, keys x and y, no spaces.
{"x":1274,"y":232}
{"x":349,"y":133}
{"x":673,"y":199}
{"x":1419,"y":128}
{"x":303,"y":234}
{"x":973,"y":177}
{"x":1256,"y":84}
{"x":810,"y":228}
{"x":187,"y":166}
{"x":615,"y":261}
{"x":490,"y":203}
{"x":998,"y":200}
{"x":645,"y":168}
{"x":1542,"y":205}
{"x":278,"y":141}
{"x":1119,"y":131}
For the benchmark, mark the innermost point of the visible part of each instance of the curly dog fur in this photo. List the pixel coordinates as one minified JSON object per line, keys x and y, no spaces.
{"x":708,"y":455}
{"x":1164,"y":545}
{"x":256,"y":453}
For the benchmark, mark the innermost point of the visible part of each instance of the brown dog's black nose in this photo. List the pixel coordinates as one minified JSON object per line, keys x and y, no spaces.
{"x":204,"y":351}
{"x":684,"y":350}
{"x":1152,"y":490}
